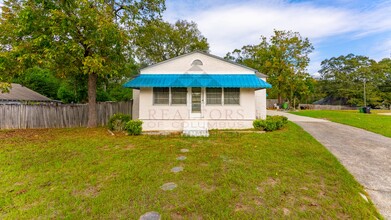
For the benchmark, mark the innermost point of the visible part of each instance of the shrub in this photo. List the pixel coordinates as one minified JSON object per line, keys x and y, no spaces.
{"x":118,"y":121}
{"x":259,"y":124}
{"x":133,"y":127}
{"x":271,"y":123}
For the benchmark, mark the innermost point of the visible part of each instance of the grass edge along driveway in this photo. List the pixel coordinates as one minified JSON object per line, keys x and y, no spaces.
{"x":88,"y":174}
{"x":380,"y":124}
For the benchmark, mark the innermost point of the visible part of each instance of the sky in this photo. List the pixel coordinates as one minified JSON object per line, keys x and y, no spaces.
{"x":334,"y":27}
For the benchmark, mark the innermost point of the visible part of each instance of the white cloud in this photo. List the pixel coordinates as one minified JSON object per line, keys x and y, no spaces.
{"x":232,"y":25}
{"x":378,"y":19}
{"x":382,"y":49}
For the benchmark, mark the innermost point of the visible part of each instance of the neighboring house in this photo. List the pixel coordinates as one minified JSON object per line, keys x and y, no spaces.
{"x":196,"y":92}
{"x":19,"y":94}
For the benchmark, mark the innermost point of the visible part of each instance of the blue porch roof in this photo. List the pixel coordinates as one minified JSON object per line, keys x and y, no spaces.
{"x":198,"y":80}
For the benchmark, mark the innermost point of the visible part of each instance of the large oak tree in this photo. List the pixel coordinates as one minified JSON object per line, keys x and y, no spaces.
{"x":72,"y":37}
{"x":158,"y":40}
{"x":283,"y":58}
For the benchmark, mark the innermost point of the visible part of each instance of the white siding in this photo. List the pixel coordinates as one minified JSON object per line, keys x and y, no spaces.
{"x":172,"y":117}
{"x":136,"y":104}
{"x":260,"y":103}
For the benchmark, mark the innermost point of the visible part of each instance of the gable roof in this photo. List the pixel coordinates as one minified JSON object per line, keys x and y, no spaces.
{"x":210,"y":55}
{"x":21,"y":93}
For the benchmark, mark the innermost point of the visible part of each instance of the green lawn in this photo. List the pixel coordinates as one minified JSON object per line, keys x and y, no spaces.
{"x":374,"y":122}
{"x":89,"y":174}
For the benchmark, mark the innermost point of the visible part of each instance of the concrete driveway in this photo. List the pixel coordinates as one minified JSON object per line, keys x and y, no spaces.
{"x":366,"y":155}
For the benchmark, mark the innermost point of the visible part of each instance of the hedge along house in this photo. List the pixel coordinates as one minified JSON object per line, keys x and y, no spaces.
{"x":196,"y":92}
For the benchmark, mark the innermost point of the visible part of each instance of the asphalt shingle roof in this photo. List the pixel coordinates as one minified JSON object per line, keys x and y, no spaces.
{"x":21,"y":93}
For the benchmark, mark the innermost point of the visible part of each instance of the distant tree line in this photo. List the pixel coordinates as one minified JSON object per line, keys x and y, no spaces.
{"x":342,"y":81}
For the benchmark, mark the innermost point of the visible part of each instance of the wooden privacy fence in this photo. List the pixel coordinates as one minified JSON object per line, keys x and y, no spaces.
{"x":57,"y":116}
{"x":270,"y":103}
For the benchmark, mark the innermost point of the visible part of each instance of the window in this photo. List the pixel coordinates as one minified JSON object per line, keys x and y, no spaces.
{"x":231,"y":96}
{"x":161,"y":96}
{"x":213,"y":96}
{"x":178,"y":96}
{"x":197,"y":62}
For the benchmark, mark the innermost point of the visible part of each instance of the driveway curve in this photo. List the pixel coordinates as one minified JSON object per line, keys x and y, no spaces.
{"x":366,"y":155}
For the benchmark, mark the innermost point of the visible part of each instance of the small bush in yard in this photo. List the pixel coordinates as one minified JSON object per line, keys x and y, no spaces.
{"x":118,"y":121}
{"x":271,"y":123}
{"x":133,"y":127}
{"x":259,"y":124}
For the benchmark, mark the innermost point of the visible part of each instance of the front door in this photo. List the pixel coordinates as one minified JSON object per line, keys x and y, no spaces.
{"x":196,"y":97}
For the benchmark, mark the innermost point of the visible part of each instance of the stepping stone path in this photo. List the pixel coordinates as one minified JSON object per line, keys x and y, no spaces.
{"x":177,"y":169}
{"x":184,"y":150}
{"x":181,"y":158}
{"x":150,"y":216}
{"x":168,"y":186}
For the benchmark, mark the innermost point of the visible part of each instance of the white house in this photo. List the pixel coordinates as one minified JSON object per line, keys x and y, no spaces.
{"x":196,"y":92}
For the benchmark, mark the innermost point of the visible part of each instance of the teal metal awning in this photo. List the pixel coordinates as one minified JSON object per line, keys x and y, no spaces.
{"x":198,"y":80}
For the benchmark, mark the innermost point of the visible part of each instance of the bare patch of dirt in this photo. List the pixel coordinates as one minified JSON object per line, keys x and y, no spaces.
{"x":176,"y":216}
{"x":303,"y":207}
{"x":204,"y":164}
{"x":322,"y":194}
{"x":260,"y":189}
{"x":129,"y":147}
{"x":241,"y":208}
{"x":22,"y":191}
{"x":272,"y":182}
{"x":286,"y":211}
{"x":207,"y":188}
{"x":169,"y":207}
{"x":258,"y":201}
{"x":89,"y":192}
{"x":196,"y":217}
{"x":28,"y":206}
{"x":105,"y":147}
{"x":267,"y":183}
{"x":310,"y":203}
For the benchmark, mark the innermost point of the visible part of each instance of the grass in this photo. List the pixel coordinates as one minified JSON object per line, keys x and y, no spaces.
{"x":89,"y":174}
{"x":374,"y":122}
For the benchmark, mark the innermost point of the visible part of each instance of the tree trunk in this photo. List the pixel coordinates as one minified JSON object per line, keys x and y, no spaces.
{"x":291,"y":100}
{"x":294,"y":103}
{"x":279,"y":94}
{"x":92,"y":115}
